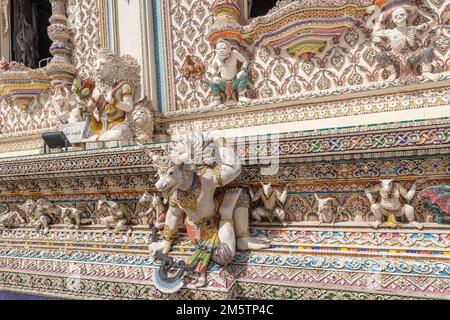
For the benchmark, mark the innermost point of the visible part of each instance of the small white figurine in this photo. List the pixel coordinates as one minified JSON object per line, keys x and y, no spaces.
{"x":153,"y":209}
{"x":393,"y":205}
{"x":329,"y":211}
{"x":224,"y":76}
{"x":273,"y":203}
{"x":116,"y":218}
{"x":72,"y":217}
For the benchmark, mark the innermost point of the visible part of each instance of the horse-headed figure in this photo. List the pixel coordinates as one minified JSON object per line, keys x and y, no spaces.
{"x":151,"y":208}
{"x":191,"y":174}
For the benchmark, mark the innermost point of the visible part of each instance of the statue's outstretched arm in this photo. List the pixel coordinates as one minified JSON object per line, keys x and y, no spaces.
{"x":378,"y":31}
{"x":283,"y":196}
{"x":369,"y":192}
{"x":230,"y":167}
{"x":408,"y":195}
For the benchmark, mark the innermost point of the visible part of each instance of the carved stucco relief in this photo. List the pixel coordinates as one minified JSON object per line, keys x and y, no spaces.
{"x":350,"y":61}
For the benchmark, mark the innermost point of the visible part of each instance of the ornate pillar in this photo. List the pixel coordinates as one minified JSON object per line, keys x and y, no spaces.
{"x":226,"y":24}
{"x":60,"y":69}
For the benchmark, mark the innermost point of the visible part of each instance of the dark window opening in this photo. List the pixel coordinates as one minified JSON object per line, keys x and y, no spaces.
{"x":30,"y":43}
{"x":257,"y":8}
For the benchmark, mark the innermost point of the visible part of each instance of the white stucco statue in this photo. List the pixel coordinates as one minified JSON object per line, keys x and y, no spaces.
{"x":398,"y":50}
{"x":393,"y":204}
{"x":190,"y":173}
{"x":10,"y":218}
{"x":143,"y":122}
{"x":224,"y":76}
{"x":151,"y":208}
{"x":329,"y":211}
{"x":115,"y":217}
{"x":116,"y":81}
{"x":72,"y":217}
{"x":58,"y":106}
{"x":40,"y":214}
{"x":273,"y":202}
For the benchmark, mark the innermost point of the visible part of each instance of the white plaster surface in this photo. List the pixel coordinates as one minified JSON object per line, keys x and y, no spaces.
{"x":357,"y":120}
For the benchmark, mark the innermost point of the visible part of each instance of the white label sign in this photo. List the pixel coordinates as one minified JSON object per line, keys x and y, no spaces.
{"x":73,"y":131}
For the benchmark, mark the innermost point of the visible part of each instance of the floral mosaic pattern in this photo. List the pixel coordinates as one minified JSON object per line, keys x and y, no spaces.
{"x":350,"y":61}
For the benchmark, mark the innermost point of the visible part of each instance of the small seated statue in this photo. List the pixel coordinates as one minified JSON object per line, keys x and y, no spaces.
{"x":273,"y":202}
{"x":225,"y":78}
{"x":391,"y":206}
{"x":40,"y":214}
{"x":151,"y":208}
{"x":401,"y":55}
{"x":116,"y":218}
{"x":329,"y":211}
{"x":73,"y":217}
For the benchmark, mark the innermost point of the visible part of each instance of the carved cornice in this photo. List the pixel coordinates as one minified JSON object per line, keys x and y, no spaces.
{"x":387,"y":140}
{"x":333,"y":95}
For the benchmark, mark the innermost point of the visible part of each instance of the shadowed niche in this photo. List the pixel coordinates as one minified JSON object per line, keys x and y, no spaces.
{"x":29,"y":38}
{"x":259,"y":8}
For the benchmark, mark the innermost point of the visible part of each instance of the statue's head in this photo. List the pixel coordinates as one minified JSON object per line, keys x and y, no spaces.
{"x":387,"y":185}
{"x":140,"y":115}
{"x":106,"y":67}
{"x":267,"y":189}
{"x":170,"y":173}
{"x":28,"y":206}
{"x":324,"y":204}
{"x":146,"y":197}
{"x":400,"y":16}
{"x":102,"y":203}
{"x":110,"y":68}
{"x":115,"y":207}
{"x":65,"y":212}
{"x":223,"y":49}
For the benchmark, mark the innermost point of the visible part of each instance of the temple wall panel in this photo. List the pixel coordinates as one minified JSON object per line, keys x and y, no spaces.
{"x":349,"y":62}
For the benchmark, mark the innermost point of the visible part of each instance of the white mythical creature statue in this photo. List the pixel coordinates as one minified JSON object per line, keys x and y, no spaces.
{"x":73,"y":217}
{"x":10,"y":218}
{"x":152,"y":208}
{"x":224,"y":76}
{"x":329,"y":211}
{"x":393,"y":205}
{"x":58,"y":107}
{"x":40,"y":213}
{"x":117,"y":79}
{"x":398,"y":50}
{"x":115,"y":217}
{"x":190,"y":173}
{"x":273,"y":202}
{"x":143,"y":122}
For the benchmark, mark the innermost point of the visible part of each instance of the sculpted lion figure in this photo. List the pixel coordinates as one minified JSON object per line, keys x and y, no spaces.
{"x":191,"y":172}
{"x":142,"y":122}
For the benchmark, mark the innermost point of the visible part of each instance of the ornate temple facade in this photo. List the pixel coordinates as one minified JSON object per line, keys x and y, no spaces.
{"x":222,"y":149}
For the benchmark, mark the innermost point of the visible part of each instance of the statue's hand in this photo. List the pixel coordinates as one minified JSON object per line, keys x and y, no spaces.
{"x":161,"y":246}
{"x":216,"y":80}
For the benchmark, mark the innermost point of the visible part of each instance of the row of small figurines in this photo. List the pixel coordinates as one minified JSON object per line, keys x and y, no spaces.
{"x":40,"y":214}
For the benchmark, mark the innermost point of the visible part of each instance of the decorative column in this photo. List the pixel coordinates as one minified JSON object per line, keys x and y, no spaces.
{"x":226,"y":22}
{"x":60,"y":69}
